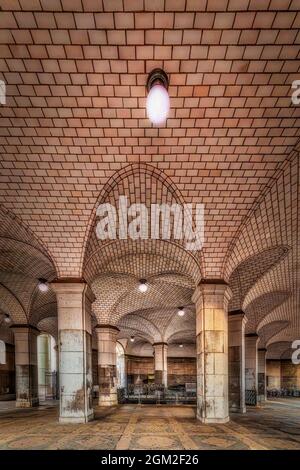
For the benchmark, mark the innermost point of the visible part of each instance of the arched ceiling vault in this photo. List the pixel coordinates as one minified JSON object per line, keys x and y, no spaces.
{"x":23,"y":261}
{"x":74,"y":133}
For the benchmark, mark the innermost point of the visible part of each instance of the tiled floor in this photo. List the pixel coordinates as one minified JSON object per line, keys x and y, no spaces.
{"x":276,"y":426}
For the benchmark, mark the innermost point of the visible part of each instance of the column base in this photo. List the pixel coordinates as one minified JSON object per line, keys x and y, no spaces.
{"x":76,"y":419}
{"x":27,"y":403}
{"x":213,"y":420}
{"x":111,"y":400}
{"x":238,"y":410}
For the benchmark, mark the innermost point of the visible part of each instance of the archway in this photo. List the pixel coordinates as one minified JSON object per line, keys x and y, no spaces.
{"x":47,"y":367}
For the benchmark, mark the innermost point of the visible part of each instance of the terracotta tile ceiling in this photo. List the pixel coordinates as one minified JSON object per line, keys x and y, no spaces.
{"x":74,"y":133}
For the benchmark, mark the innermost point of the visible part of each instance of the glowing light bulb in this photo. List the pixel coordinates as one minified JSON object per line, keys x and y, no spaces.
{"x":43,"y":286}
{"x":132,"y":339}
{"x":158,"y":104}
{"x":180,"y":312}
{"x":143,"y":286}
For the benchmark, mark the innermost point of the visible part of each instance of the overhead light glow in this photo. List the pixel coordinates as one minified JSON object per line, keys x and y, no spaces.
{"x":43,"y":286}
{"x":158,"y":105}
{"x":181,"y":345}
{"x":143,"y":285}
{"x":158,"y":100}
{"x":7,"y":318}
{"x":132,"y":339}
{"x":180,"y":311}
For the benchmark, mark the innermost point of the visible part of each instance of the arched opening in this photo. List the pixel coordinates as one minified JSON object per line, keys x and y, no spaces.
{"x":2,"y":352}
{"x":121,"y":370}
{"x":47,"y":367}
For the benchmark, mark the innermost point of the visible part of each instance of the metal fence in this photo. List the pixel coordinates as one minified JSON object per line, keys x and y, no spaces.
{"x":157,"y":394}
{"x":251,"y":397}
{"x":282,"y":393}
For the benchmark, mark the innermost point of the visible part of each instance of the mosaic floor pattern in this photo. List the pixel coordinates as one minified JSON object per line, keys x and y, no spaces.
{"x":275,"y":426}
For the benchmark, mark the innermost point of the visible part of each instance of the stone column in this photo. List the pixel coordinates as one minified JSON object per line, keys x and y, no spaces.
{"x":161,"y":363}
{"x":236,"y":342}
{"x":107,"y":364}
{"x":274,"y":374}
{"x":251,"y":362}
{"x":26,"y":365}
{"x":262,"y":375}
{"x":75,"y":350}
{"x":211,"y":299}
{"x":44,"y":365}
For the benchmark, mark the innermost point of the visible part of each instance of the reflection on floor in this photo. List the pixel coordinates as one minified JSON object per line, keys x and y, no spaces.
{"x":276,"y":426}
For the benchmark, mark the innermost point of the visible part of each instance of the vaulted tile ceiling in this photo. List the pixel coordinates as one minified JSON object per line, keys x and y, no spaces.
{"x":74,"y":133}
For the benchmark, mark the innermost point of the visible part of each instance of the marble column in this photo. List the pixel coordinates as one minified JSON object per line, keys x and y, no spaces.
{"x":74,"y":300}
{"x":262,"y":375}
{"x":236,"y":349}
{"x":251,"y":362}
{"x":26,"y":365}
{"x":107,"y":364}
{"x":211,"y":299}
{"x":161,"y":363}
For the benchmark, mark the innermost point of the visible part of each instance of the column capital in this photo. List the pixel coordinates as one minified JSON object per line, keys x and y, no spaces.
{"x":237,"y":312}
{"x":19,"y":327}
{"x":72,"y":286}
{"x":212,"y":287}
{"x":161,"y":343}
{"x":251,"y":335}
{"x":262,"y":349}
{"x":104,"y":326}
{"x":237,"y":315}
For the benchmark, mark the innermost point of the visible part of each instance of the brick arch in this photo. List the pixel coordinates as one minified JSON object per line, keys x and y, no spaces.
{"x":260,"y":307}
{"x":277,"y":349}
{"x":181,"y":325}
{"x":187,"y":336}
{"x":6,"y":334}
{"x":44,"y":311}
{"x":268,"y":222}
{"x":23,"y":260}
{"x":117,"y":295}
{"x":13,"y":229}
{"x":141,"y":183}
{"x":136,"y":325}
{"x":10,"y":305}
{"x":48,"y":325}
{"x":249,"y":271}
{"x":140,"y":347}
{"x":267,"y":331}
{"x":287,"y":353}
{"x":119,"y":255}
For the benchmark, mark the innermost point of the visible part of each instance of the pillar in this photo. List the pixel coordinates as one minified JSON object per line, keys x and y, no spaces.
{"x":251,"y":362}
{"x":236,"y":358}
{"x":262,"y":375}
{"x":107,"y":364}
{"x":74,"y":300}
{"x":26,"y":365}
{"x":274,"y":374}
{"x":211,"y":299}
{"x":161,"y":363}
{"x":44,"y":365}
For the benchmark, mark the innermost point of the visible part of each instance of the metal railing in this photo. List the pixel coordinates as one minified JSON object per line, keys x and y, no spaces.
{"x":158,"y":394}
{"x":251,"y":397}
{"x":283,"y":392}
